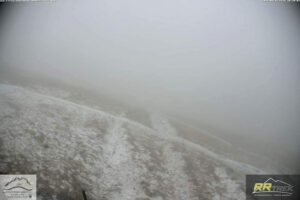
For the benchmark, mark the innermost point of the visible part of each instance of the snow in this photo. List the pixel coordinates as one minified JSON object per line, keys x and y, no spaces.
{"x":173,"y":160}
{"x":73,"y":147}
{"x":230,"y":188}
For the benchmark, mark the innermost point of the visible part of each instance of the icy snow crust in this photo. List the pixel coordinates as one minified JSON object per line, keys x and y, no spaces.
{"x":72,"y":147}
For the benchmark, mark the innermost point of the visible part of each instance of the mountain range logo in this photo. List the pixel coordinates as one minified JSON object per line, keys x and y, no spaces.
{"x":18,"y":183}
{"x":273,"y":187}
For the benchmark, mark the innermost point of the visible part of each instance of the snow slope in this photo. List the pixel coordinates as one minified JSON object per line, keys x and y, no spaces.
{"x":73,"y":147}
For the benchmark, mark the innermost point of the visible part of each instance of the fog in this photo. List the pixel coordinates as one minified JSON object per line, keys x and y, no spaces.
{"x":233,"y":66}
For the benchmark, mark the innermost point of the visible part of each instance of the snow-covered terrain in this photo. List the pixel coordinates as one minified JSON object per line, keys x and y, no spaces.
{"x":74,"y":147}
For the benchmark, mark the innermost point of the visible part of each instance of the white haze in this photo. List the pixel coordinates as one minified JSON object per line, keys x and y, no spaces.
{"x":231,"y":65}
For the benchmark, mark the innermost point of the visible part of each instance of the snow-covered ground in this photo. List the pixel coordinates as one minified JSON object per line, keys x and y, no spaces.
{"x":74,"y":147}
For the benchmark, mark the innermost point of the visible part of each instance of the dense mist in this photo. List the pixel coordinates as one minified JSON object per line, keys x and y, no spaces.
{"x":230,"y":66}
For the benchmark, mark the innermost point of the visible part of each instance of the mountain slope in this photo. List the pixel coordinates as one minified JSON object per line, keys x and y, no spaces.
{"x":73,"y":147}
